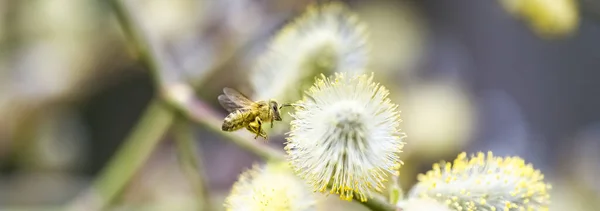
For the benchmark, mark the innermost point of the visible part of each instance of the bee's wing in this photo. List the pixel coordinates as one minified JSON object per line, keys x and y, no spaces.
{"x":237,"y":98}
{"x":229,"y":105}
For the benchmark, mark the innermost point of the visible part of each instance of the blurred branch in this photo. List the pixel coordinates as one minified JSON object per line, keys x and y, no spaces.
{"x":191,"y":163}
{"x":396,"y":192}
{"x":135,"y":150}
{"x":141,"y":42}
{"x":378,"y":204}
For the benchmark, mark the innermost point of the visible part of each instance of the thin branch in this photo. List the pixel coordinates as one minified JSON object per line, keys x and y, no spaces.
{"x":191,"y":162}
{"x":135,"y":150}
{"x":396,"y":192}
{"x":133,"y":153}
{"x":378,"y":204}
{"x":142,"y":42}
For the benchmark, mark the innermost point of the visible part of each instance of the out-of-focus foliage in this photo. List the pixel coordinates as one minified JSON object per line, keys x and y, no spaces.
{"x":72,"y":86}
{"x":397,"y":34}
{"x":438,"y":117}
{"x":548,"y":18}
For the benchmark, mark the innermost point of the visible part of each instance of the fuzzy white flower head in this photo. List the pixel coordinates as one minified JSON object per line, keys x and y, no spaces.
{"x":273,"y":187}
{"x":345,"y":136}
{"x":325,"y":39}
{"x":484,"y":183}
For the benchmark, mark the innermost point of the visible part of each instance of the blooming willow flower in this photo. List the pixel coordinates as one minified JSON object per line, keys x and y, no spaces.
{"x":325,"y":39}
{"x":345,"y":134}
{"x":548,"y":18}
{"x":270,"y":188}
{"x":484,"y":183}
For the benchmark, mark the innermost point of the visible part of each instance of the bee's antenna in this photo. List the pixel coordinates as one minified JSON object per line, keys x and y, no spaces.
{"x":286,"y":105}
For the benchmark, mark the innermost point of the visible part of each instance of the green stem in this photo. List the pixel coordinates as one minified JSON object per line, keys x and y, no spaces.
{"x":378,"y":204}
{"x":396,"y":192}
{"x":141,"y":42}
{"x":136,"y":149}
{"x":191,"y":162}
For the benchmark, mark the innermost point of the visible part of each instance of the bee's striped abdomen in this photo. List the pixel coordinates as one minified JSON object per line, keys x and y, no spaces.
{"x":233,"y":121}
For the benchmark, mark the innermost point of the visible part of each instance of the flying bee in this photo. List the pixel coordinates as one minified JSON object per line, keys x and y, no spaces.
{"x":246,"y":113}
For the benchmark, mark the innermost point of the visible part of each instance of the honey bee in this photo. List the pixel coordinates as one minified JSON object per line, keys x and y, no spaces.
{"x":246,"y":113}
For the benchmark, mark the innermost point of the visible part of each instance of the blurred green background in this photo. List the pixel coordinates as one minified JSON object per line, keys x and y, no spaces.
{"x":468,"y":75}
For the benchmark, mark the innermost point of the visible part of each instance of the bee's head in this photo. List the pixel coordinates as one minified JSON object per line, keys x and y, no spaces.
{"x":274,"y":106}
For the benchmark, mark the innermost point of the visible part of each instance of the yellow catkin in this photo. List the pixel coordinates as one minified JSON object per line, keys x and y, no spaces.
{"x":271,"y":187}
{"x":548,"y":18}
{"x":485,"y":182}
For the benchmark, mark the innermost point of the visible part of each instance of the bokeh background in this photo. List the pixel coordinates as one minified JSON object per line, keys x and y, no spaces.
{"x":469,"y":76}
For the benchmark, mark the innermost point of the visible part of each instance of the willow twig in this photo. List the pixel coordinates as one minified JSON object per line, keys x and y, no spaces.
{"x":134,"y":151}
{"x":379,"y":205}
{"x":191,"y":162}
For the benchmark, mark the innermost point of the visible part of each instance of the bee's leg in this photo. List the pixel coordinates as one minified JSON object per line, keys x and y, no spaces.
{"x":254,"y":127}
{"x":260,"y":131}
{"x":271,"y":120}
{"x":251,"y":127}
{"x":257,"y":127}
{"x":264,"y":135}
{"x":257,"y":134}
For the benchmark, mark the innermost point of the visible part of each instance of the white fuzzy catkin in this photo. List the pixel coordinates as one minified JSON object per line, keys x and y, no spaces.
{"x":327,"y":38}
{"x":345,"y":136}
{"x":272,"y":187}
